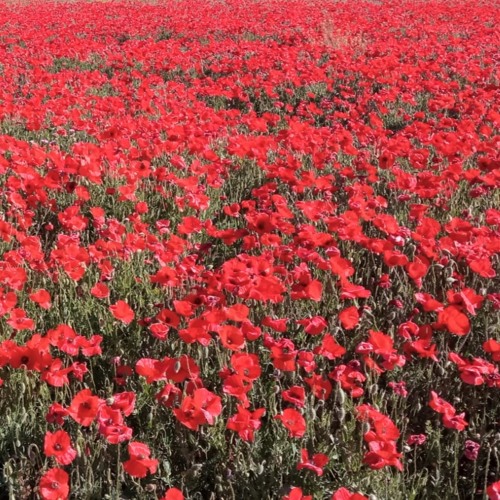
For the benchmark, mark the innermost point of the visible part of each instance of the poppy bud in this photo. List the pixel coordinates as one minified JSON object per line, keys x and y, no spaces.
{"x":8,"y":471}
{"x":33,"y":452}
{"x":441,"y":370}
{"x":340,"y":396}
{"x":341,"y":414}
{"x":78,"y":449}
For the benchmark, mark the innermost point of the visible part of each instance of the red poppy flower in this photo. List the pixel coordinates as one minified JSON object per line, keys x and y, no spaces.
{"x":320,"y":387}
{"x":416,"y":440}
{"x":297,"y":494}
{"x":382,"y":454}
{"x":42,"y":298}
{"x":56,"y":414}
{"x":341,"y":267}
{"x":293,"y":421}
{"x":467,"y":298}
{"x":246,"y":422}
{"x":440,"y":405}
{"x":454,"y":421}
{"x":173,"y":494}
{"x":493,"y":491}
{"x":454,"y":320}
{"x":58,"y":445}
{"x":483,"y":267}
{"x":278,"y":325}
{"x":450,"y":418}
{"x":295,"y":395}
{"x":283,"y":354}
{"x":429,"y":303}
{"x":152,"y":369}
{"x":169,"y":395}
{"x":19,"y":321}
{"x":471,"y":450}
{"x":54,"y":485}
{"x":345,"y":494}
{"x":232,"y":338}
{"x":350,"y":378}
{"x":170,"y":318}
{"x":64,"y":338}
{"x":330,"y":348}
{"x":56,"y":374}
{"x":316,"y":463}
{"x":351,"y":291}
{"x":492,"y":346}
{"x":159,"y":330}
{"x":181,"y":368}
{"x":314,"y":325}
{"x":246,"y":365}
{"x":123,"y":401}
{"x":399,"y":388}
{"x":199,"y":409}
{"x":237,"y":312}
{"x":139,"y":464}
{"x":90,"y":347}
{"x":349,"y":317}
{"x":84,"y":407}
{"x":122,"y":312}
{"x":100,"y":290}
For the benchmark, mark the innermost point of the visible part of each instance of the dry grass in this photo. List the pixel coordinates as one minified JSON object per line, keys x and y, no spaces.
{"x":337,"y":38}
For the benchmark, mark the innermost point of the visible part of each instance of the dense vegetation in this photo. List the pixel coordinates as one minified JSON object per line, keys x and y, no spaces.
{"x":249,"y":250}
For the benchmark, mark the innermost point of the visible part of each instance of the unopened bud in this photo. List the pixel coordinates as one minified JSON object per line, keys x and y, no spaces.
{"x":341,"y":414}
{"x":340,"y":396}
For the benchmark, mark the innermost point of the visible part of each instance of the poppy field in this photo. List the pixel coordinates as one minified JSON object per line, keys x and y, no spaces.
{"x":250,"y":250}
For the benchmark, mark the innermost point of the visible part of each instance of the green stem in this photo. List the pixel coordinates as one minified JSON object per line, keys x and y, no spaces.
{"x":118,"y":464}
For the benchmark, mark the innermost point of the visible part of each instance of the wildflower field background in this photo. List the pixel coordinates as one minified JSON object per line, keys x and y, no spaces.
{"x":250,"y":250}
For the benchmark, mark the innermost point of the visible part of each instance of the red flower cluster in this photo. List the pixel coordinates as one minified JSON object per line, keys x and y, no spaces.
{"x":450,"y":418}
{"x":381,"y":438}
